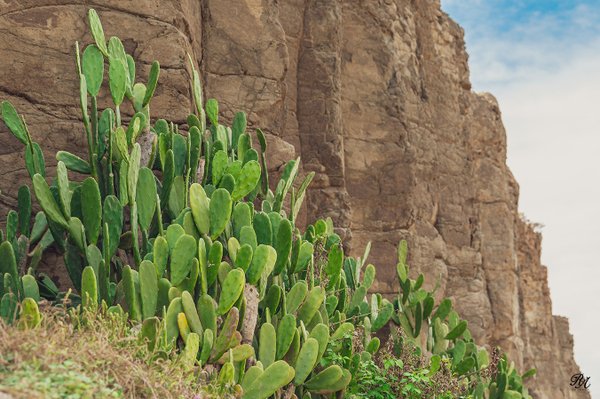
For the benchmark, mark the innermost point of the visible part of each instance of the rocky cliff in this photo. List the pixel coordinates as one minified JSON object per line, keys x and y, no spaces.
{"x":373,"y":95}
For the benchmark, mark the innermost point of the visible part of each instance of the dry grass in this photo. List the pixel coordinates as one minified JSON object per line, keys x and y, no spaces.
{"x":101,"y":358}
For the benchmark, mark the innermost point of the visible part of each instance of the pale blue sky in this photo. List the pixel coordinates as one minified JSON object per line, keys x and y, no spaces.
{"x":541,"y":59}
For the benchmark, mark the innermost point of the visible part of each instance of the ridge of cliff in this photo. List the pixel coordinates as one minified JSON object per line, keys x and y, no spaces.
{"x":373,"y":95}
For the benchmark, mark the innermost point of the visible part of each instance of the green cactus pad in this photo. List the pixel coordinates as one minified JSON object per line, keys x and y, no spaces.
{"x":148,"y":288}
{"x":92,"y":67}
{"x":64,"y":193}
{"x":168,"y":165}
{"x":179,"y":147}
{"x":458,"y":352}
{"x":338,"y":385}
{"x":34,"y":160}
{"x":133,"y":172}
{"x":9,"y":263}
{"x":207,"y":346}
{"x":73,"y":162}
{"x":24,"y":201}
{"x":200,"y":203}
{"x":146,"y":195}
{"x":266,"y":349}
{"x":97,"y":31}
{"x":12,"y":225}
{"x":248,"y":236}
{"x":276,"y":376}
{"x":30,"y":287}
{"x":164,"y":286}
{"x":231,"y":289}
{"x":251,"y":375}
{"x":273,"y":298}
{"x":292,"y":354}
{"x":91,"y":209}
{"x":30,"y":314}
{"x":335,"y":261}
{"x":242,"y":216}
{"x":244,"y":257}
{"x":263,"y":261}
{"x":243,"y":146}
{"x":457,"y":331}
{"x":149,"y":331}
{"x":466,"y":365}
{"x":234,"y":169}
{"x":160,"y":255}
{"x":117,"y":79}
{"x":238,"y":354}
{"x":225,"y":337}
{"x":305,"y":254}
{"x":283,"y":245}
{"x":220,"y":212}
{"x":248,"y":179}
{"x":47,"y":202}
{"x":311,"y":305}
{"x":262,"y":227}
{"x":181,"y":259}
{"x":212,"y":111}
{"x":227,"y":374}
{"x":152,"y":82}
{"x":443,"y":309}
{"x":191,"y":313}
{"x":73,"y":263}
{"x":238,"y":128}
{"x":285,"y":334}
{"x":369,"y":276}
{"x":325,"y":381}
{"x":183,"y":326}
{"x":233,"y":246}
{"x":131,"y":296}
{"x":113,"y":218}
{"x":207,"y":312}
{"x":14,"y":122}
{"x":8,"y":307}
{"x":227,"y":182}
{"x":342,"y":331}
{"x":384,"y":316}
{"x":172,"y":328}
{"x":307,"y":359}
{"x":174,"y":233}
{"x":219,"y":164}
{"x":89,"y":288}
{"x":373,"y":346}
{"x":295,"y":297}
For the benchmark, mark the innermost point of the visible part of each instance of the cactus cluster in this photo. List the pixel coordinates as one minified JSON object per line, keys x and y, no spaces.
{"x":21,"y":248}
{"x":177,"y":227}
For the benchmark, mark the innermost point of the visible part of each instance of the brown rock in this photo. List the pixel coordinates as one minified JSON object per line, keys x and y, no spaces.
{"x":374,"y":96}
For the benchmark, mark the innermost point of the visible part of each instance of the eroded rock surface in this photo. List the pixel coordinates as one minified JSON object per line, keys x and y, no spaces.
{"x":373,"y":95}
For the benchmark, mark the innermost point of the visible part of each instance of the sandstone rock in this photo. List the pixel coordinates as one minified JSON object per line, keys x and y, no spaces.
{"x":374,"y":96}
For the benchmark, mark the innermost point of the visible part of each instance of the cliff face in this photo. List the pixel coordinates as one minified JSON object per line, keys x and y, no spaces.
{"x":373,"y":95}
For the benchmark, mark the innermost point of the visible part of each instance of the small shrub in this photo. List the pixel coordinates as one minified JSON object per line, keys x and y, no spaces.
{"x":95,"y":355}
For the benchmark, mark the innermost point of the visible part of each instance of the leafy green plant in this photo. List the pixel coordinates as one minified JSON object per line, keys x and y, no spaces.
{"x":371,"y":381}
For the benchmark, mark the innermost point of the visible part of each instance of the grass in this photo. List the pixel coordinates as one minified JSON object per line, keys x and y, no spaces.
{"x":65,"y":357}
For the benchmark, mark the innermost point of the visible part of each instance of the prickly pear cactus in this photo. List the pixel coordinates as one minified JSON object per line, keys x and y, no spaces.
{"x":181,"y":230}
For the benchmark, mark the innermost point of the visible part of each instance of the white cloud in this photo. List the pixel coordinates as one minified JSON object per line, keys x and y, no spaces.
{"x":552,"y":122}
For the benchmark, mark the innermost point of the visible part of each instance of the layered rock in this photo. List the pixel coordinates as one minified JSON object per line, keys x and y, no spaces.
{"x":373,"y":95}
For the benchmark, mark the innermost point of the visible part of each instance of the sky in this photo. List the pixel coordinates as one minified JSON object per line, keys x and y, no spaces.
{"x":541,"y":59}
